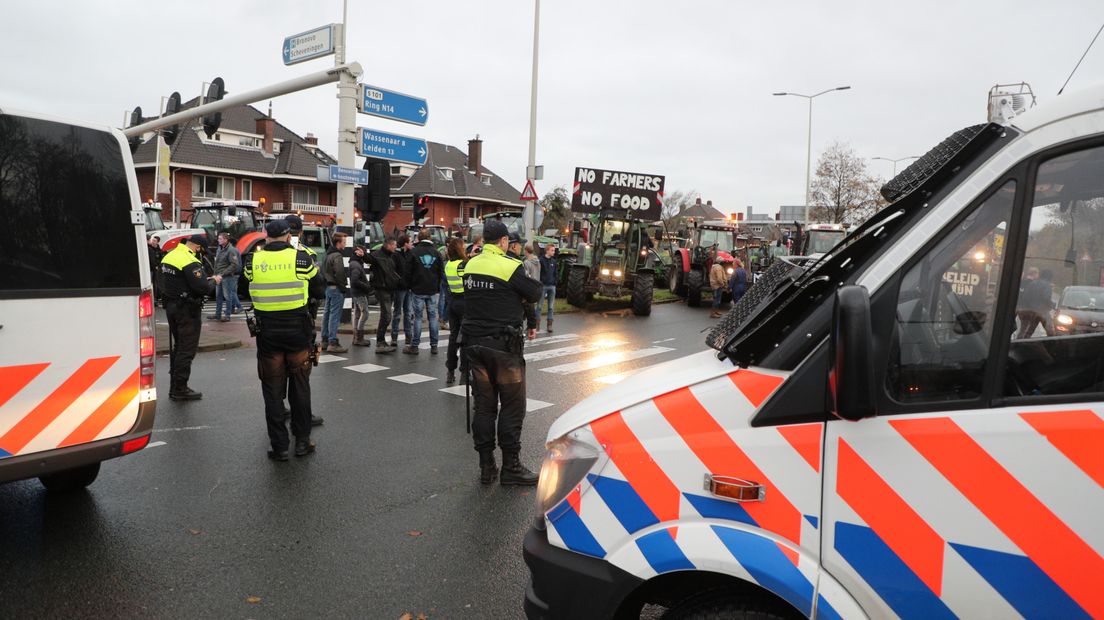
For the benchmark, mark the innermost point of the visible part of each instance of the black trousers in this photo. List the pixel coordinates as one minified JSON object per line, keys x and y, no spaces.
{"x":385,"y":299}
{"x":184,"y":326}
{"x":284,"y":368}
{"x":498,"y":378}
{"x":455,"y":319}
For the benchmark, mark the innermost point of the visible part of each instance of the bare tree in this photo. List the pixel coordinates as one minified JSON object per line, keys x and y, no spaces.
{"x":843,"y":190}
{"x":556,"y":206}
{"x":674,"y":204}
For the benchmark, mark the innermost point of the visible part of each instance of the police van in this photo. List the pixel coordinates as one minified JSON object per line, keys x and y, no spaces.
{"x":76,"y":311}
{"x":898,"y":430}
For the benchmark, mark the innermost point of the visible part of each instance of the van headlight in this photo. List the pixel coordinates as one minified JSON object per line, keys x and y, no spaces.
{"x":565,"y":464}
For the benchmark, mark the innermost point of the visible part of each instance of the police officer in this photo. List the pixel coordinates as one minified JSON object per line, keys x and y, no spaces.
{"x":295,"y":224}
{"x":454,"y":279}
{"x":185,"y":285}
{"x":281,"y":281}
{"x":495,"y":286}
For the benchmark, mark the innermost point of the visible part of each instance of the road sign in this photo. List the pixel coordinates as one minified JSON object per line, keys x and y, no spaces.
{"x":529,"y":193}
{"x":358,"y":176}
{"x":639,"y":195}
{"x":391,"y":146}
{"x":390,"y":104}
{"x":310,"y":44}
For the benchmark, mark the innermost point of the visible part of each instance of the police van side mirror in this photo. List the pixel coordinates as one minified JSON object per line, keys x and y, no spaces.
{"x":851,"y":376}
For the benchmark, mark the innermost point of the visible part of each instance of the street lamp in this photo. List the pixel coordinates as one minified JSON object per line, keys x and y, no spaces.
{"x":809,"y":148}
{"x":895,"y":161}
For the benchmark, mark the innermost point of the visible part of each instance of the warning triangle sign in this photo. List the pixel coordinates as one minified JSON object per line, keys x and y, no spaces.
{"x":529,"y":193}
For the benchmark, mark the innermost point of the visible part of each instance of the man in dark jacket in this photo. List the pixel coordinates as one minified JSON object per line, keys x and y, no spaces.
{"x":426,"y":274}
{"x":358,"y":280}
{"x":548,"y":284}
{"x":401,"y":305}
{"x":153,"y":246}
{"x":228,"y":265}
{"x":385,"y":280}
{"x":333,"y":272}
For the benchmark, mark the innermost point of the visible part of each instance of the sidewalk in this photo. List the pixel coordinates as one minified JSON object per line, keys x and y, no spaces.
{"x":214,"y":336}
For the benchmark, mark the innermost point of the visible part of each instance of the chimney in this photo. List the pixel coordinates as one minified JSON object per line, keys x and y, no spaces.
{"x":697,"y":201}
{"x":266,"y":126}
{"x":312,"y":139}
{"x":475,"y":154}
{"x":709,"y":203}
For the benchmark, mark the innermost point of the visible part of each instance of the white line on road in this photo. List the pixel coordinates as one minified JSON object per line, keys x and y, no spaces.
{"x":456,"y":390}
{"x":412,"y":378}
{"x":366,"y":368}
{"x":182,"y":428}
{"x":662,"y":341}
{"x":326,"y":359}
{"x":550,"y":340}
{"x":155,"y":444}
{"x":573,"y":350}
{"x":605,"y":359}
{"x":531,"y":404}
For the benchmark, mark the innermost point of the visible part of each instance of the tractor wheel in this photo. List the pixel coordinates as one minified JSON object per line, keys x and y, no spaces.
{"x":694,"y":283}
{"x":673,"y":283}
{"x":567,"y":263}
{"x":642,"y":294}
{"x":576,"y":286}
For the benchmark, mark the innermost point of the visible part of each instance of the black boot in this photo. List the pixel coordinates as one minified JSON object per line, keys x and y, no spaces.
{"x":488,"y":469}
{"x":303,"y":447}
{"x":513,"y":472}
{"x":450,"y":378}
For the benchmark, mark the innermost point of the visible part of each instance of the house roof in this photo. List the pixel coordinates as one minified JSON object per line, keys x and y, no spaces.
{"x":464,"y":183}
{"x":704,"y":211}
{"x":189,"y":148}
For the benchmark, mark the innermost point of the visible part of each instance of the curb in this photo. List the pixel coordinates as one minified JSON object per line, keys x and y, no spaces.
{"x":210,"y":346}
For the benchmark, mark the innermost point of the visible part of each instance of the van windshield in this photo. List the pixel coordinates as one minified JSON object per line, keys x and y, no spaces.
{"x":64,"y":209}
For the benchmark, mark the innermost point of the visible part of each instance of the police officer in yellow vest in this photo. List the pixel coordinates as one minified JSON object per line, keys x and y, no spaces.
{"x":185,"y":285}
{"x":454,"y":280}
{"x":493,"y":334}
{"x":282,"y":280}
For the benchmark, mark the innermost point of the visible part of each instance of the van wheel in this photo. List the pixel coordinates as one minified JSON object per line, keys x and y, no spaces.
{"x":721,"y":606}
{"x":71,"y":479}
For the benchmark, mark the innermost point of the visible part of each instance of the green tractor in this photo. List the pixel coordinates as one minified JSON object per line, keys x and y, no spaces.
{"x":616,"y":262}
{"x":437,"y":234}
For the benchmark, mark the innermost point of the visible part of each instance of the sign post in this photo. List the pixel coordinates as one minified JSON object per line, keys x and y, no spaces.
{"x":391,"y":105}
{"x":391,"y":146}
{"x":639,"y":195}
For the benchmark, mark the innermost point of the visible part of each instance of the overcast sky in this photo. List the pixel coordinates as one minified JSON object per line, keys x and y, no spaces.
{"x":678,"y":88}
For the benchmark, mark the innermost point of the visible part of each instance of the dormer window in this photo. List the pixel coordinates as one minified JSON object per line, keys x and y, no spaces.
{"x":485,"y":179}
{"x":445,"y":174}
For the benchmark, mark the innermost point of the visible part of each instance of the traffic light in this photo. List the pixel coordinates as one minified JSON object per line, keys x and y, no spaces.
{"x":172,"y":106}
{"x":135,"y":119}
{"x":421,"y":206}
{"x":373,"y":200}
{"x":215,"y":92}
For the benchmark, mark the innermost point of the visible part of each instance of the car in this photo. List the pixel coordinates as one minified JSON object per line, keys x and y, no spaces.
{"x":77,"y":337}
{"x":1080,"y":310}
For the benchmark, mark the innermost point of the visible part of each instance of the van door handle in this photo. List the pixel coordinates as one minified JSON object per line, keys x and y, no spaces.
{"x":735,"y":489}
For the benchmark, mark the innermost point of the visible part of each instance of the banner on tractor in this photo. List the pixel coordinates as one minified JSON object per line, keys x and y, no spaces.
{"x":639,"y":195}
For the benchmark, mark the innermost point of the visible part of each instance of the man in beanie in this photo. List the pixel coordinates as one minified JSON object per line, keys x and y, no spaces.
{"x":185,"y":286}
{"x":495,"y":289}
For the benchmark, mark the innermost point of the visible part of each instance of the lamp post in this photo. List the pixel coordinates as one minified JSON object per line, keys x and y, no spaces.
{"x":895,"y":161}
{"x":529,"y":215}
{"x":809,"y":148}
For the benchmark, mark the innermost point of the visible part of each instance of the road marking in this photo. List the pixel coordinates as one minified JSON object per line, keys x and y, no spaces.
{"x":326,"y":359}
{"x":662,"y":341}
{"x":550,"y":340}
{"x":366,"y":368}
{"x":182,"y":428}
{"x":611,"y":379}
{"x":605,"y":359}
{"x":425,"y":346}
{"x":531,"y":404}
{"x":573,"y":350}
{"x":155,"y":444}
{"x":412,"y":378}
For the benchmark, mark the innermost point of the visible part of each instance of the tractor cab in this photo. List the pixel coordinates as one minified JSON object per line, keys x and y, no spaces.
{"x":615,"y":263}
{"x":154,"y":223}
{"x":437,"y":234}
{"x":369,"y":234}
{"x":819,"y":239}
{"x":691,"y":263}
{"x":238,"y":218}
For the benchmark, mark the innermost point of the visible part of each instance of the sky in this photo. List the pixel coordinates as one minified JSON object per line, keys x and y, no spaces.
{"x":676,"y":88}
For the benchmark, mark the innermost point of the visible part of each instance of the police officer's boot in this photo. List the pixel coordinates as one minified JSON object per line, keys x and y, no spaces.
{"x":513,"y":472}
{"x":488,"y":469}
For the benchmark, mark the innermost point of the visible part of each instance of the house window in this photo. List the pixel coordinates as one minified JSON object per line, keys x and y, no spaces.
{"x":206,"y":187}
{"x":486,"y":178}
{"x":304,"y":194}
{"x":445,"y":174}
{"x":247,"y":189}
{"x":248,"y":142}
{"x":396,"y":169}
{"x":406,"y":204}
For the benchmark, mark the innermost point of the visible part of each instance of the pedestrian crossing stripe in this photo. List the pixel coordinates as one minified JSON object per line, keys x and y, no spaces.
{"x":366,"y":368}
{"x":548,"y":354}
{"x":605,"y":359}
{"x":550,"y":340}
{"x":412,"y":378}
{"x":326,"y":359}
{"x":531,"y":404}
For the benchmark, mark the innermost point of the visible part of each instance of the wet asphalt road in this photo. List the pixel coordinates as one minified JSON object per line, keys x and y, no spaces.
{"x":387,"y":517}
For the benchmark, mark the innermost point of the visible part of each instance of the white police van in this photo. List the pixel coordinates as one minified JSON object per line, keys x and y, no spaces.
{"x":898,"y":430}
{"x":76,"y":312}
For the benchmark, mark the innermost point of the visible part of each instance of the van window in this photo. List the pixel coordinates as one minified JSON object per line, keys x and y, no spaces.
{"x":1058,"y":344}
{"x":945,"y":309}
{"x":64,"y":209}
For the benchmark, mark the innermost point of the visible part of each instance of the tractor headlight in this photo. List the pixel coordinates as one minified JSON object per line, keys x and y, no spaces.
{"x":605,"y":271}
{"x":617,"y":273}
{"x":566,"y":462}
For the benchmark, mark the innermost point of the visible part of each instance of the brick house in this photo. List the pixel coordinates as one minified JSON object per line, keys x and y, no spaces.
{"x":250,"y":157}
{"x":459,"y":187}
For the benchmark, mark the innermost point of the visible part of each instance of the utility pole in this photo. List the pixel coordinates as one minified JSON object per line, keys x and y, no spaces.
{"x":346,"y":128}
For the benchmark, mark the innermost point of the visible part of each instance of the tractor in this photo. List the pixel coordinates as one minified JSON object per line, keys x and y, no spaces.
{"x":689,"y":272}
{"x":238,"y":218}
{"x":437,"y":234}
{"x":616,"y":262}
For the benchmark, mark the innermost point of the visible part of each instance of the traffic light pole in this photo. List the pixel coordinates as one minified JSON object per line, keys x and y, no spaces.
{"x":348,"y":71}
{"x":346,"y":131}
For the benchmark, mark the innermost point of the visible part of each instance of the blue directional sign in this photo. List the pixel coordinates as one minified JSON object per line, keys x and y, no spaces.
{"x":310,"y":44}
{"x":391,"y":146}
{"x":393,"y":105}
{"x":349,"y":175}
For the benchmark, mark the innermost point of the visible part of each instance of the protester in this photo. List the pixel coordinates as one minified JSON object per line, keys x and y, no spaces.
{"x":454,"y":279}
{"x":153,"y":247}
{"x":513,"y":250}
{"x":739,"y":282}
{"x":426,"y":274}
{"x":401,"y":304}
{"x":548,"y":284}
{"x":361,"y":289}
{"x":385,"y":281}
{"x":718,"y":281}
{"x":228,"y":265}
{"x":475,"y":246}
{"x":334,"y":274}
{"x":443,"y":293}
